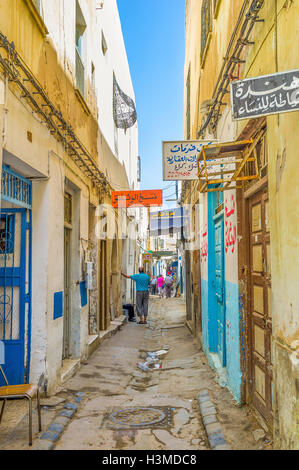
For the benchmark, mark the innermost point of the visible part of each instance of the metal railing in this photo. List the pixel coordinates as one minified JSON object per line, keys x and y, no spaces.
{"x":16,"y":189}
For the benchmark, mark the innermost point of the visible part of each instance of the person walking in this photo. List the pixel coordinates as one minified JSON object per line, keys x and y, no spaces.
{"x":160,"y":282}
{"x":154,"y":285}
{"x":142,"y":295}
{"x":168,"y":285}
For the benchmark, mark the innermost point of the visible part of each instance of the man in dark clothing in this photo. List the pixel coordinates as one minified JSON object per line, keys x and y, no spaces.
{"x":130,"y":309}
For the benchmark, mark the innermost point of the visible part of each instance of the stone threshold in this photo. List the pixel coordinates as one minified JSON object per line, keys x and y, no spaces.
{"x":68,"y":369}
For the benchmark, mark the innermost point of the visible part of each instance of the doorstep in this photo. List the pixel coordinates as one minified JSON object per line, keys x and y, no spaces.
{"x":68,"y":369}
{"x":93,"y":343}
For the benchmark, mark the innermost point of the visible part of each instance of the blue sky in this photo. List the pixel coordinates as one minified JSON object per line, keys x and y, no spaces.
{"x":154,"y":34}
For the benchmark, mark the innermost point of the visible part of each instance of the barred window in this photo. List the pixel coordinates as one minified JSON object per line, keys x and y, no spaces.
{"x":206,"y":27}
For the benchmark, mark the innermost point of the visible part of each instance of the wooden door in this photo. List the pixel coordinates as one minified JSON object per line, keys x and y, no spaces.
{"x":260,"y":321}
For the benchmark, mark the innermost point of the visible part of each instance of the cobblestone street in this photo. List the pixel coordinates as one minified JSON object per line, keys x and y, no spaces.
{"x":111,"y":404}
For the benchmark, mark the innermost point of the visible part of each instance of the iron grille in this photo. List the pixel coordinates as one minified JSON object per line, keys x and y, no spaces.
{"x":16,"y":189}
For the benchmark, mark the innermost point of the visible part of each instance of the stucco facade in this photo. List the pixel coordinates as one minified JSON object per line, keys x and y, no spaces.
{"x":66,"y":316}
{"x":271,"y":48}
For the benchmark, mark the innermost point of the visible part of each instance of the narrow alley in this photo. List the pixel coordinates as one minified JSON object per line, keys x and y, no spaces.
{"x":149,"y":226}
{"x":124,"y":408}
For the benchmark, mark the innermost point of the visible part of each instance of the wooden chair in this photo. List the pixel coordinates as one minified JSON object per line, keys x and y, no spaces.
{"x":21,"y":391}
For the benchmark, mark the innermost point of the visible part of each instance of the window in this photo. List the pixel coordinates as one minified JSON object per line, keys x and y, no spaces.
{"x":206,"y":28}
{"x":104,"y":44}
{"x":80,"y":29}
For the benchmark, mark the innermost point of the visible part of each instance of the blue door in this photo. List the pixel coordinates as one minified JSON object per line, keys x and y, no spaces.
{"x":219,"y":291}
{"x":15,"y":281}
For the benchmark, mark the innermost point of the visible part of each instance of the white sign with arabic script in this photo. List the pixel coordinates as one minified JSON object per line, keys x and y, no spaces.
{"x":269,"y":94}
{"x":180,"y":159}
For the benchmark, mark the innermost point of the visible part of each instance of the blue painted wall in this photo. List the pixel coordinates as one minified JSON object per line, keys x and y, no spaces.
{"x":233,"y":367}
{"x":209,"y":315}
{"x":204,"y":314}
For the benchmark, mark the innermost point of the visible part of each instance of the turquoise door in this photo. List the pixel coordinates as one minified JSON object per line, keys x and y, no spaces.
{"x":219,"y":289}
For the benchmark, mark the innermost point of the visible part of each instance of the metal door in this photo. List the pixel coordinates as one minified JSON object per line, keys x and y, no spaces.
{"x":219,"y":289}
{"x":15,"y":292}
{"x":260,"y":320}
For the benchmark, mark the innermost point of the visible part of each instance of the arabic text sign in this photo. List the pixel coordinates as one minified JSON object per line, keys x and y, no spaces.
{"x":270,"y":94}
{"x":180,"y":159}
{"x":145,"y":198}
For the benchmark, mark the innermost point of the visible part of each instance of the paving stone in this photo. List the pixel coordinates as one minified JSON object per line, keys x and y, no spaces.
{"x":181,"y":418}
{"x":71,"y":406}
{"x":222,"y":447}
{"x":204,"y":399}
{"x":209,"y":419}
{"x":216,"y":439}
{"x":52,"y":401}
{"x":172,"y":443}
{"x":56,"y":427}
{"x":67,"y":413}
{"x":44,"y":445}
{"x":61,"y":420}
{"x":207,"y":411}
{"x":50,"y":436}
{"x":206,"y":404}
{"x":203,"y":393}
{"x":212,"y":428}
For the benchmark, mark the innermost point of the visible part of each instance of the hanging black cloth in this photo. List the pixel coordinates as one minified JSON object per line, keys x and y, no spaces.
{"x":124,"y":110}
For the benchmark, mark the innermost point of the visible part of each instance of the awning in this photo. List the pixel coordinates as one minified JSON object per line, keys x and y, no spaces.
{"x":227,"y":165}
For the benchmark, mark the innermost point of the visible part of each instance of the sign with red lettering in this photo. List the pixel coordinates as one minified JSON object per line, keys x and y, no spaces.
{"x":145,"y":198}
